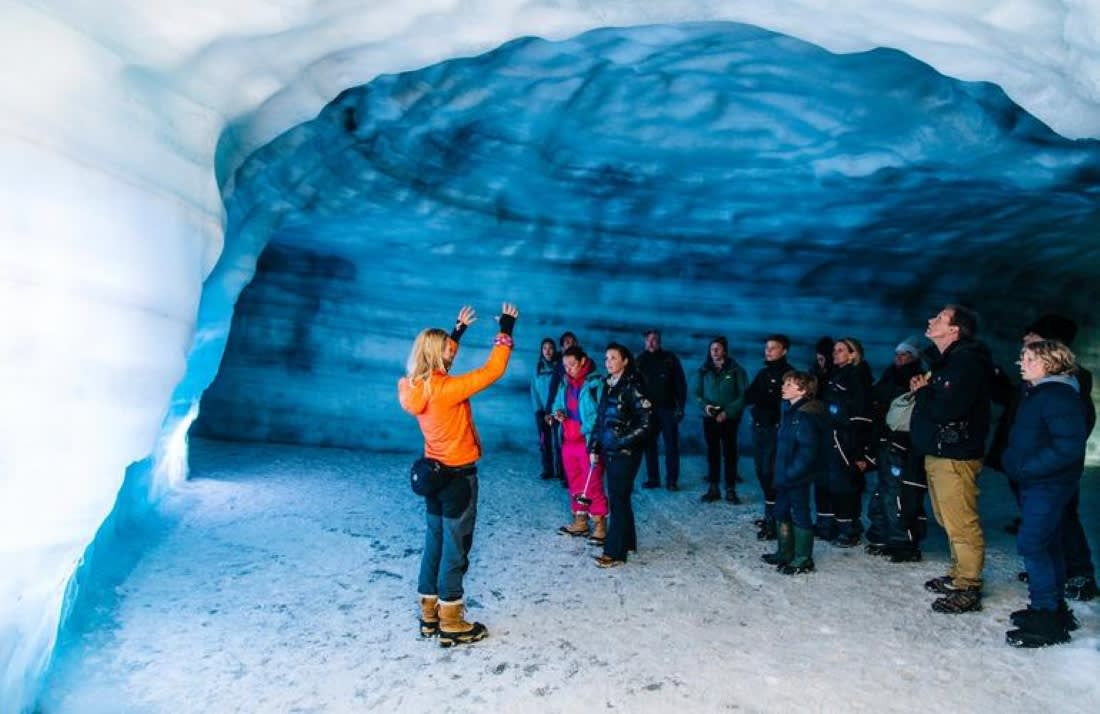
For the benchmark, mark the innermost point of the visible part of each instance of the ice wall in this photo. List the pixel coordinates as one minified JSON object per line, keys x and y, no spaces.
{"x":119,"y":115}
{"x":710,"y":178}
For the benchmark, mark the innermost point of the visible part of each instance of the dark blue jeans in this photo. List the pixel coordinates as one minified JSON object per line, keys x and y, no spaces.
{"x":668,"y":430}
{"x":763,"y":440}
{"x":792,"y":505}
{"x":451,"y":516}
{"x":1039,"y":542}
{"x":619,"y":472}
{"x":1075,"y":546}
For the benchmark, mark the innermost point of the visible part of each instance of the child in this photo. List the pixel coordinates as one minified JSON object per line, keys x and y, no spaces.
{"x":800,"y":456}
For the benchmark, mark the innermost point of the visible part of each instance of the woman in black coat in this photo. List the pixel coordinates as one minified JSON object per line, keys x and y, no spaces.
{"x":623,"y":423}
{"x":1045,"y":457}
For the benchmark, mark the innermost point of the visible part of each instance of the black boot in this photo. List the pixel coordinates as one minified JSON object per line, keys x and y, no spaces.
{"x":712,"y":494}
{"x":1023,"y":618}
{"x":903,"y":554}
{"x":767,"y":531}
{"x":731,"y":496}
{"x":1043,"y":628}
{"x":1082,"y":588}
{"x":784,"y":550}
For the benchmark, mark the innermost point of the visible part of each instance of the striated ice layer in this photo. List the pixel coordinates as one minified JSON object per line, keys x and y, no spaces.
{"x":705,"y":179}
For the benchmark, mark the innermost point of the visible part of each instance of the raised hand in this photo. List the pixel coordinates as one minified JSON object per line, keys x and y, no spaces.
{"x":466,"y":316}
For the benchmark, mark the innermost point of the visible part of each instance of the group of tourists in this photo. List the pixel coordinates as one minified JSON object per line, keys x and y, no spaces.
{"x":816,"y":435}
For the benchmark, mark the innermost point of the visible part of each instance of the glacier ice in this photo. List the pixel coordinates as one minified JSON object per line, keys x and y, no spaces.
{"x":125,"y":121}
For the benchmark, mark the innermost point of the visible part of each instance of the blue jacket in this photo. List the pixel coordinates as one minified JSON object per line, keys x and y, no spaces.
{"x":540,"y":383}
{"x":588,"y":401}
{"x":801,"y":447}
{"x":1047,"y":442}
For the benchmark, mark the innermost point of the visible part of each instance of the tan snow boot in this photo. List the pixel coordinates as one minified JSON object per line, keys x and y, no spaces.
{"x":578,"y":528}
{"x":453,"y":628}
{"x":599,"y":531}
{"x":429,"y":616}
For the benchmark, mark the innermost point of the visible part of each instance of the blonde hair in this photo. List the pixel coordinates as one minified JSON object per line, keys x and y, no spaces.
{"x":1056,"y":357}
{"x":855,"y":347}
{"x":426,"y":356}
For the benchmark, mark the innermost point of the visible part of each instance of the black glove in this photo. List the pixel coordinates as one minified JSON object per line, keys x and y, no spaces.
{"x":460,"y":328}
{"x":507,"y":324}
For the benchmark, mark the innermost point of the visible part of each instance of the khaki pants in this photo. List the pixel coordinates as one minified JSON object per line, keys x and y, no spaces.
{"x":953,"y":490}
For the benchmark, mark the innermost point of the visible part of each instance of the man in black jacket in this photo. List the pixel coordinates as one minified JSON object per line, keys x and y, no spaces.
{"x":765,"y":395}
{"x":949,"y":426}
{"x":667,"y":387}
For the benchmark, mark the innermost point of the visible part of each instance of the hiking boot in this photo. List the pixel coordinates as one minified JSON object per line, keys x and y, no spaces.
{"x":1043,"y":628}
{"x":878,"y":549}
{"x":673,"y":487}
{"x":959,"y":601}
{"x":453,"y":628}
{"x":940,"y":585}
{"x":712,"y":494}
{"x":1081,"y":588}
{"x":651,"y":484}
{"x":1022,"y":618}
{"x":731,"y":496}
{"x":578,"y":528}
{"x":1022,"y":576}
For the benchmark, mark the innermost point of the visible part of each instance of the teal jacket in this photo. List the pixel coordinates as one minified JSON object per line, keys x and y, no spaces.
{"x":724,"y":388}
{"x":588,"y":403}
{"x":540,"y":384}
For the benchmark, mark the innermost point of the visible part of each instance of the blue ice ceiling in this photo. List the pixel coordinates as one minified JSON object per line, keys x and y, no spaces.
{"x":708,"y":178}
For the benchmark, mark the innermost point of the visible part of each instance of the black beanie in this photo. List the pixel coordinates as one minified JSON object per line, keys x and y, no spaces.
{"x":1054,"y":327}
{"x":824,"y":346}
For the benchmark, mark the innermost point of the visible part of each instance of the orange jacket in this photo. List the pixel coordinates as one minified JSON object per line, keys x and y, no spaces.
{"x":444,"y":415}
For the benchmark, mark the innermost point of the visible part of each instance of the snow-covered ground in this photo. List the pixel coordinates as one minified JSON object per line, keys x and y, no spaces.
{"x":286,"y":583}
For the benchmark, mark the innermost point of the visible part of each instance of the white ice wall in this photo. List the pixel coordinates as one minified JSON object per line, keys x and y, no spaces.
{"x":110,"y":217}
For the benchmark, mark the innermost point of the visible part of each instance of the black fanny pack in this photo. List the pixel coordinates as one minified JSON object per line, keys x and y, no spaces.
{"x":428,"y":476}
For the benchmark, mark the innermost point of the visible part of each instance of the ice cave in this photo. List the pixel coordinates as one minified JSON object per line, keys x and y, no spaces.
{"x":225,"y":223}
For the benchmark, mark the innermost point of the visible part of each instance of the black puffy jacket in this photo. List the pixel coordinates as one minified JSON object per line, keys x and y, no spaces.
{"x":848,"y":405}
{"x":764,"y":394}
{"x":624,"y":417}
{"x":952,"y":413}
